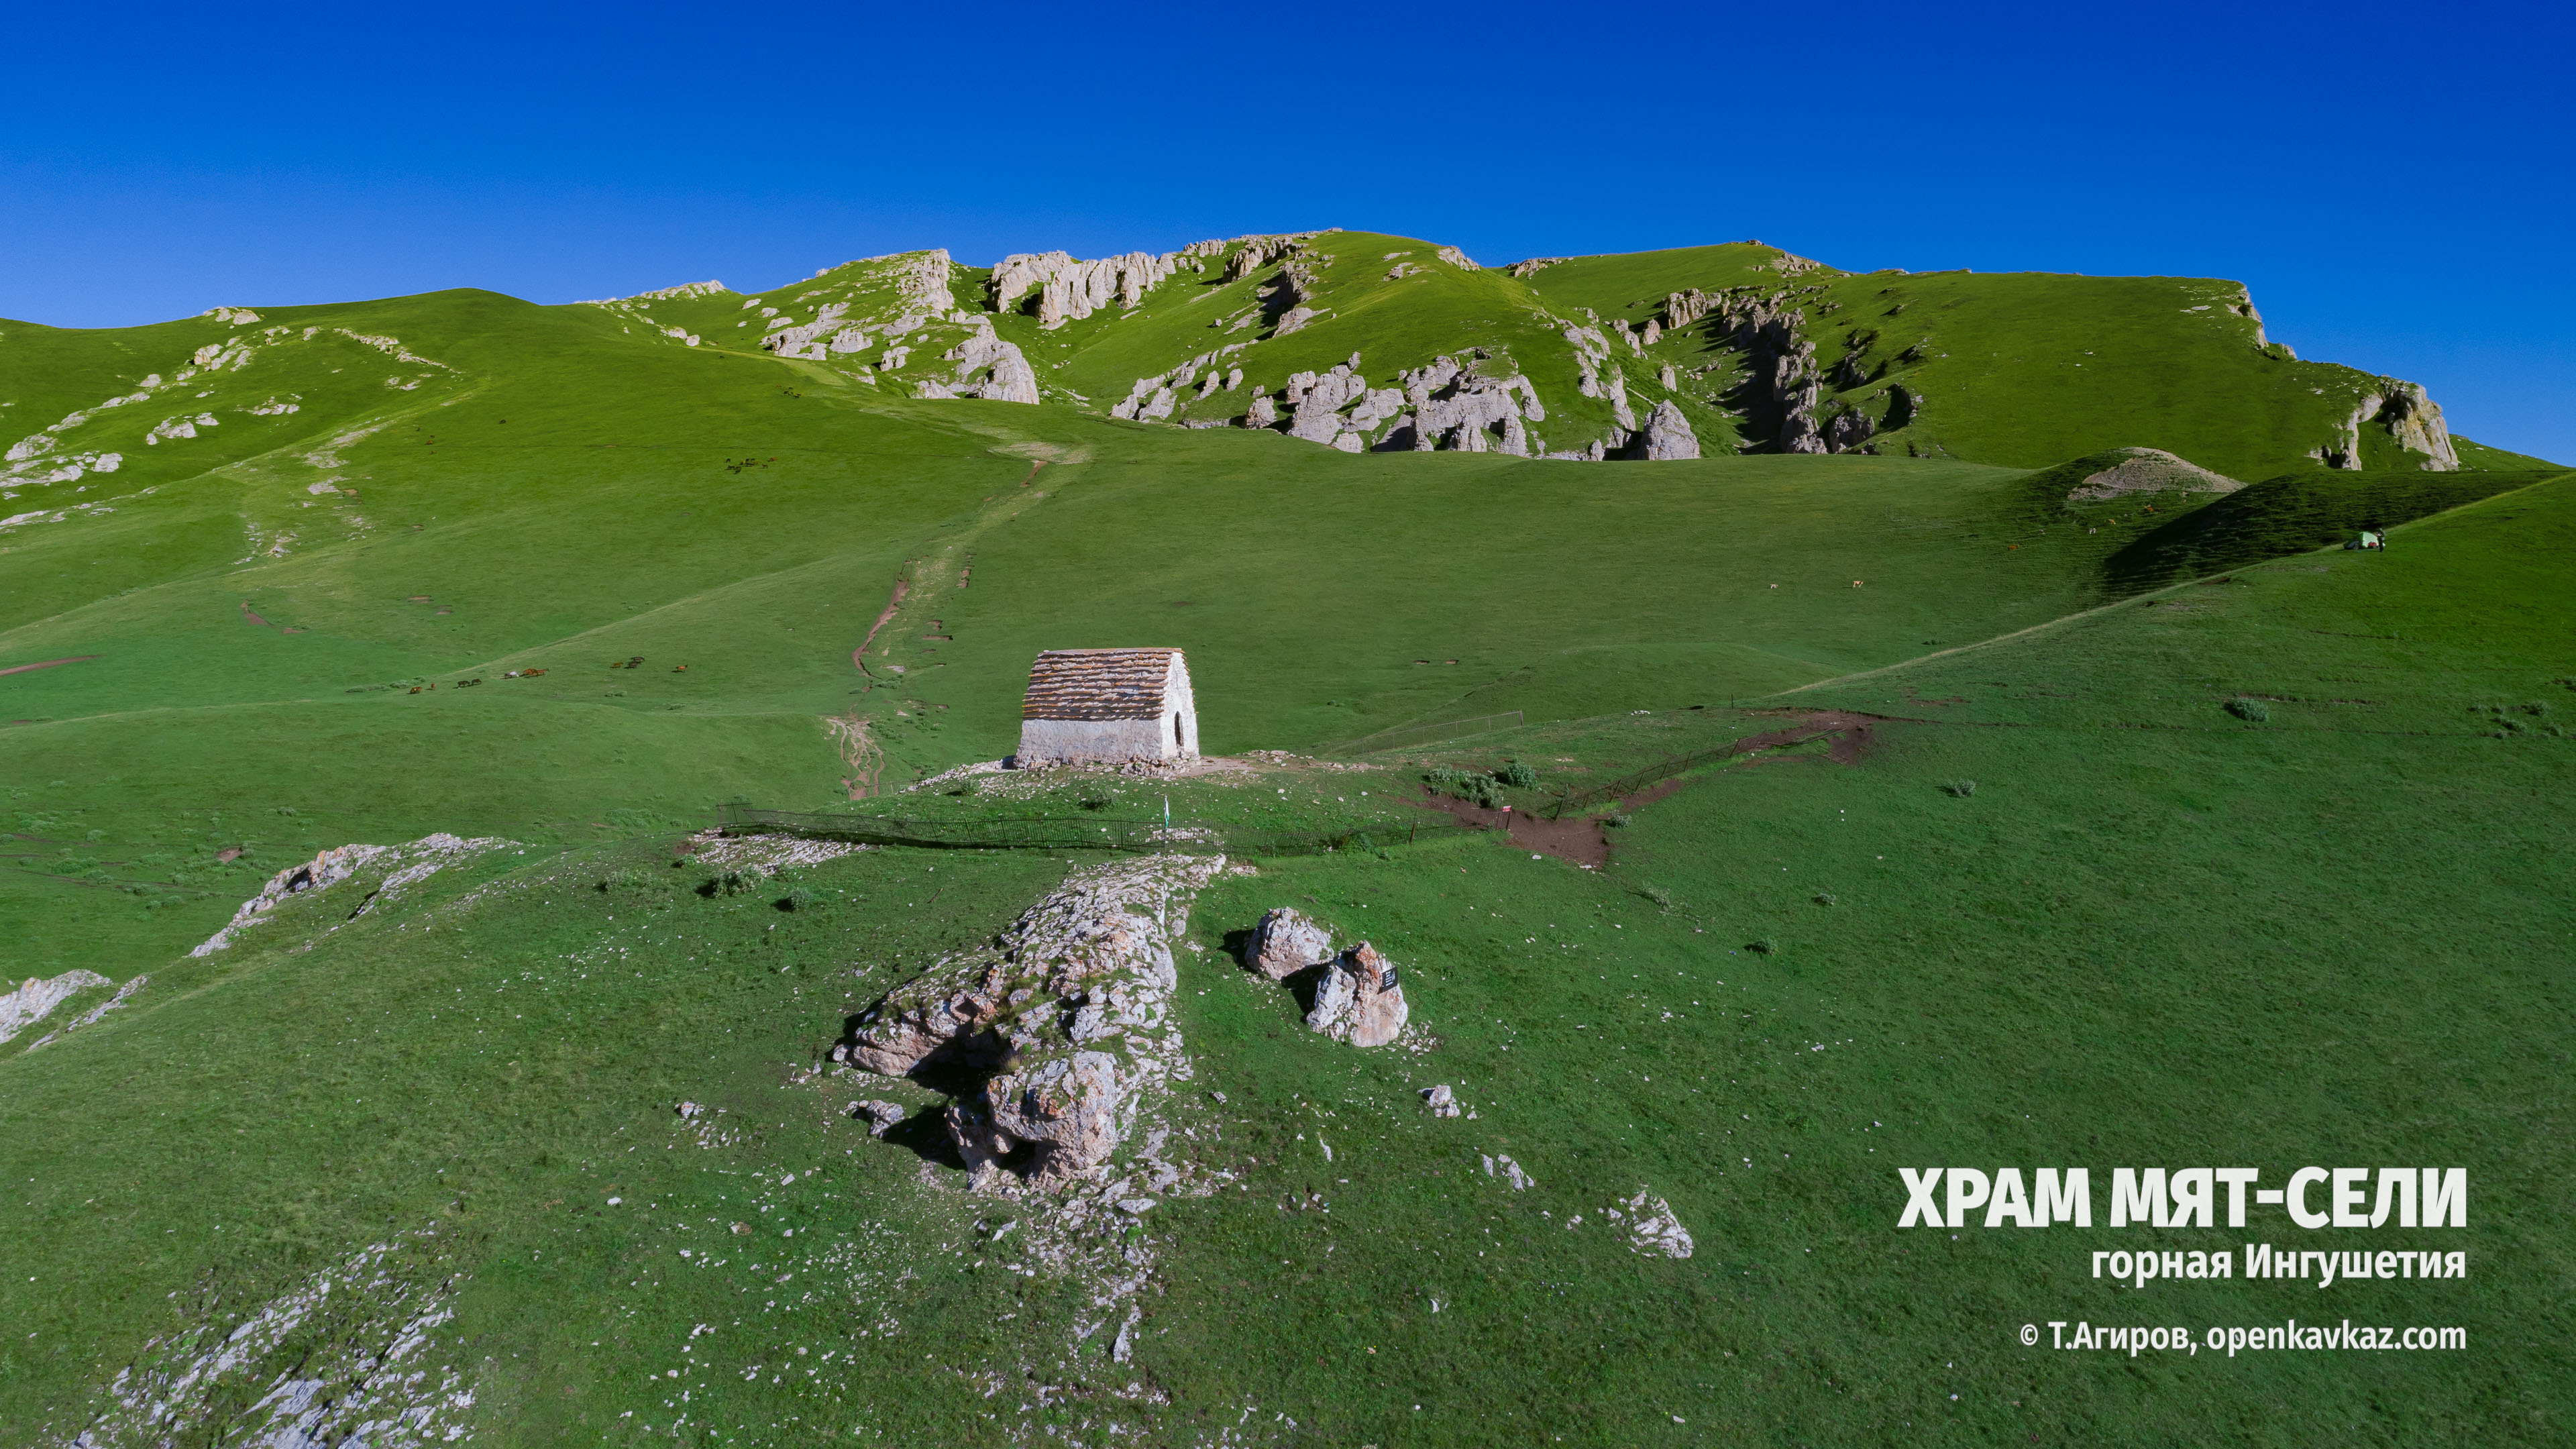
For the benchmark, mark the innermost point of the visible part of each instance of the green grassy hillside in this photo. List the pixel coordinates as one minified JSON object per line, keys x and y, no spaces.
{"x":2147,"y":832}
{"x":2143,"y":937}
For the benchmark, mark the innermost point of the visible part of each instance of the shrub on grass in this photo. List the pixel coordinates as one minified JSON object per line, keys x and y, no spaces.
{"x":731,"y":883}
{"x":1473,"y":786}
{"x":799,"y":899}
{"x":1763,"y":947}
{"x":1617,"y":822}
{"x":2252,"y":711}
{"x":1961,"y":788}
{"x":1662,"y":898}
{"x":1518,"y":775}
{"x":1824,"y":898}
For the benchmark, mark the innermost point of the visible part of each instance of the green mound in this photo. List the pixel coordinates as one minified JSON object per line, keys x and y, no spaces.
{"x":2122,"y":473}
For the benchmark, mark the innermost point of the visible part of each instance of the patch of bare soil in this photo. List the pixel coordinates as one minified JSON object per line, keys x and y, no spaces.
{"x":1576,"y":838}
{"x":1580,"y":838}
{"x":1854,"y":735}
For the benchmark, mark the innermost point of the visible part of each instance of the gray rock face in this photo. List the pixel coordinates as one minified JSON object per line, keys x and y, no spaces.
{"x":1456,"y":408}
{"x":1851,"y":371}
{"x":1286,"y":943}
{"x":879,"y":1115}
{"x":1620,"y":412}
{"x":1359,"y":1000}
{"x":1068,"y":289}
{"x":1261,"y":413}
{"x":1316,"y":401}
{"x":1780,"y":397}
{"x":1441,"y":1101}
{"x":988,"y":367}
{"x":2415,"y":421}
{"x":1846,"y":431}
{"x":1069,"y":1009}
{"x":1681,"y":309}
{"x":1668,"y":434}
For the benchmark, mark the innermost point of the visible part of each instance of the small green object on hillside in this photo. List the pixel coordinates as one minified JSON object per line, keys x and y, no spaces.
{"x":1961,"y":788}
{"x":2252,"y":711}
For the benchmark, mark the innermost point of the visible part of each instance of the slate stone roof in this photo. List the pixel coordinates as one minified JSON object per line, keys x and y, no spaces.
{"x":1098,"y":684}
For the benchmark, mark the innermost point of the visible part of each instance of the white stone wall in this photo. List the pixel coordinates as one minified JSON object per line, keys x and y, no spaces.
{"x":1095,"y":739}
{"x":1177,"y":700}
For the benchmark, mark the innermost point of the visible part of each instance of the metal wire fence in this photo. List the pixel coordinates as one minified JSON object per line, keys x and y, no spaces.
{"x":1037,"y":833}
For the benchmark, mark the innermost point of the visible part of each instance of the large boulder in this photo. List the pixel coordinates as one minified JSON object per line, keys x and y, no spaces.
{"x":1359,"y":1000}
{"x":1286,"y":943}
{"x":1669,"y":435}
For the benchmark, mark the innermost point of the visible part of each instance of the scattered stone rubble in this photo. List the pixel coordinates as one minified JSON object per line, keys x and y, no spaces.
{"x":1442,"y":1101}
{"x":1069,"y":1008}
{"x":361,"y":1350}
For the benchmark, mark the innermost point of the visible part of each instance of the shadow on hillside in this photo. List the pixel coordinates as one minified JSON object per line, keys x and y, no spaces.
{"x":2291,"y":514}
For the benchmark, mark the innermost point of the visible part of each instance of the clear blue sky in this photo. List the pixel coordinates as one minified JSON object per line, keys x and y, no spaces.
{"x":2392,"y":181}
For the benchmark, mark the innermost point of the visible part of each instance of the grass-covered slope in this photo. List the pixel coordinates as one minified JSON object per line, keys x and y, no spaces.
{"x":2145,"y":936}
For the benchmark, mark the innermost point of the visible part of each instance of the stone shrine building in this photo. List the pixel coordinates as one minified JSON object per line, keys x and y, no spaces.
{"x":1088,"y":706}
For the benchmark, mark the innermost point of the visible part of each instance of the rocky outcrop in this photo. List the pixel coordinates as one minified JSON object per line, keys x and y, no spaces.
{"x":1285,"y":943}
{"x":1846,"y":431}
{"x":1067,"y":289}
{"x":1068,"y":1010}
{"x":1441,"y":1101}
{"x":1653,"y":1230}
{"x":404,"y":865}
{"x":1621,"y":413}
{"x":1457,"y":258}
{"x":1315,"y":401}
{"x":988,"y":367}
{"x":2414,"y":420}
{"x":1780,"y":394}
{"x":1455,"y":407}
{"x":2148,"y":470}
{"x":810,"y":340}
{"x":1668,"y":435}
{"x":1359,"y":999}
{"x":1533,"y":266}
{"x":1681,"y":309}
{"x":36,"y":998}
